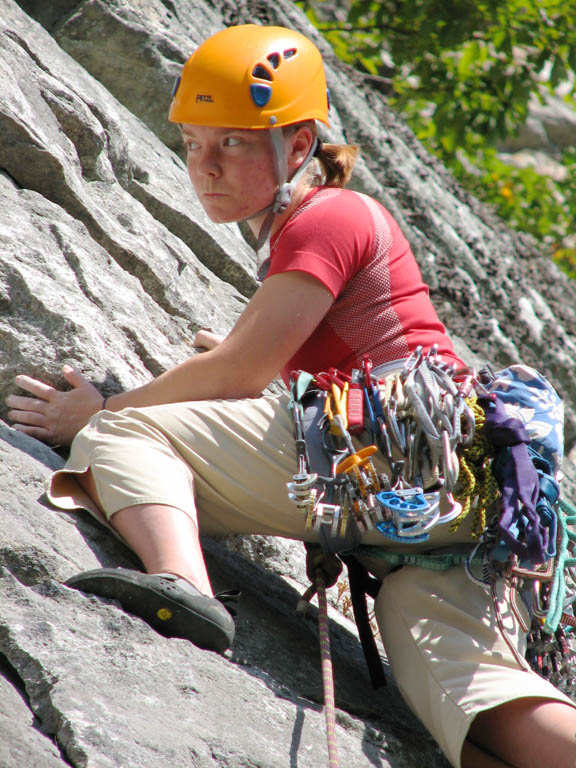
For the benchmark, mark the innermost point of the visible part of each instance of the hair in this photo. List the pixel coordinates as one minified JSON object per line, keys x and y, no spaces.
{"x":336,"y":163}
{"x":333,"y":163}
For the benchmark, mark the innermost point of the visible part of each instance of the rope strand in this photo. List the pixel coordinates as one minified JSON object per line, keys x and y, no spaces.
{"x":327,"y":674}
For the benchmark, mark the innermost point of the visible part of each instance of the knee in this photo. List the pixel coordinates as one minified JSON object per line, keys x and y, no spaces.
{"x":125,"y":423}
{"x":528,"y":732}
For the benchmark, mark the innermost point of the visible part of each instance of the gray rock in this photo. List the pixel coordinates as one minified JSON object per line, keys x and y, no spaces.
{"x":107,"y":262}
{"x":27,"y":745}
{"x":121,"y":242}
{"x":111,"y":692}
{"x":551,"y":127}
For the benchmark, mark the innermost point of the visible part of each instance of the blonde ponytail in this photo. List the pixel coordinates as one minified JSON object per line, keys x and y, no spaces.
{"x":333,"y":163}
{"x":336,"y":163}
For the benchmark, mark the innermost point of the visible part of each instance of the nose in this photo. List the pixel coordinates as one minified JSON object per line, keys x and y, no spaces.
{"x":207,"y":163}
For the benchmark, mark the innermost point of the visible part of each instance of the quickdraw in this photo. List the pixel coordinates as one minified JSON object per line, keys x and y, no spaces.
{"x":418,"y":426}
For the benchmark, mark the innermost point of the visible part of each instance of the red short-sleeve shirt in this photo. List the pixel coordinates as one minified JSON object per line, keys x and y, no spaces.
{"x":382,"y":308}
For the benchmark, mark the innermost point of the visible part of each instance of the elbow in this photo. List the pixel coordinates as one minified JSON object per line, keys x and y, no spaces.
{"x":251,"y":389}
{"x":248,"y":387}
{"x":239,"y":378}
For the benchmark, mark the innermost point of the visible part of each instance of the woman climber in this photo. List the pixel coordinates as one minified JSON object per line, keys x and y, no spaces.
{"x":198,"y":449}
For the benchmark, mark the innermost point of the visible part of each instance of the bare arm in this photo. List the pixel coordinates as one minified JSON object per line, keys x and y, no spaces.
{"x":279,"y":318}
{"x":274,"y":325}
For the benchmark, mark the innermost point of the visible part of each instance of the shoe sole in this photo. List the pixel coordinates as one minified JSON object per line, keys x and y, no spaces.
{"x":172,"y":615}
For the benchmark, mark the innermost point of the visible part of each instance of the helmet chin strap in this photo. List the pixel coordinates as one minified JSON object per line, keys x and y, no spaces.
{"x":283,"y":194}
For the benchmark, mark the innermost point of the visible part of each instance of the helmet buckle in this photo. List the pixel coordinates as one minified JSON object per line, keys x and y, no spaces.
{"x":283,"y":197}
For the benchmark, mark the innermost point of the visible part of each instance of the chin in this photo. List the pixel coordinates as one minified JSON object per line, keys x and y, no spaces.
{"x":224,"y":217}
{"x":218,"y":217}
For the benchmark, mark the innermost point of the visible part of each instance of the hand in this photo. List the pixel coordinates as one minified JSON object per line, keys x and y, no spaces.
{"x":51,"y":415}
{"x":207,"y":339}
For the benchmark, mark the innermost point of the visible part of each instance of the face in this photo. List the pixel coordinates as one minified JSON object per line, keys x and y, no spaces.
{"x":232,"y":170}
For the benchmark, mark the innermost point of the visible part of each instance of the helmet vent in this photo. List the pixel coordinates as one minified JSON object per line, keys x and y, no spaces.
{"x":274,"y":59}
{"x":262,"y":73}
{"x":288,"y":54}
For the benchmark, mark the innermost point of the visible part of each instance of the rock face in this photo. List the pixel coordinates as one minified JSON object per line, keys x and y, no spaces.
{"x":548,"y":131}
{"x":108,"y":263}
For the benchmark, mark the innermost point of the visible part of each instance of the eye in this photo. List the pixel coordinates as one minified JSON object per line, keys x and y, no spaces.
{"x":190,"y":145}
{"x":231,"y":141}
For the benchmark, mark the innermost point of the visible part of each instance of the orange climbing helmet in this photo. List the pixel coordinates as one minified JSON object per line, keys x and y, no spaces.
{"x":249,"y":77}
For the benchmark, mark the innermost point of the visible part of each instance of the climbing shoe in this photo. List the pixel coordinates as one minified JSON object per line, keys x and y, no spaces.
{"x":167,"y":602}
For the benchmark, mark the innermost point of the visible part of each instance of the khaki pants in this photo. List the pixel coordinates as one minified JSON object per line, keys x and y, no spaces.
{"x":226,"y":464}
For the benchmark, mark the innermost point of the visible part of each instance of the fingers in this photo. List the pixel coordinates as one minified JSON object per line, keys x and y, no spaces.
{"x":73,"y":377}
{"x":28,"y":414}
{"x":52,"y":415}
{"x":27,"y":418}
{"x":27,"y":410}
{"x":207,"y":339}
{"x":33,"y":418}
{"x":38,"y":388}
{"x":38,"y":432}
{"x":45,"y":391}
{"x":26,"y":403}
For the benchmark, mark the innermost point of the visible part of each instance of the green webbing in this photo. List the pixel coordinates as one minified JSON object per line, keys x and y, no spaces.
{"x":441,"y":562}
{"x":566,"y":515}
{"x":421,"y":560}
{"x":299,"y":386}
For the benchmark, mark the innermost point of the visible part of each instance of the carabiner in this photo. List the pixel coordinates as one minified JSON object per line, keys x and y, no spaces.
{"x":411,"y":363}
{"x":397,"y":431}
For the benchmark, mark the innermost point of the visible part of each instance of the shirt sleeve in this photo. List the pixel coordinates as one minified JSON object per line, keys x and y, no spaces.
{"x":324,"y":238}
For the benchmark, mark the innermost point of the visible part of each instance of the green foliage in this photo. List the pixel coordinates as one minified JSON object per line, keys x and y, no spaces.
{"x":465,"y":71}
{"x":477,"y":61}
{"x":526,"y":199}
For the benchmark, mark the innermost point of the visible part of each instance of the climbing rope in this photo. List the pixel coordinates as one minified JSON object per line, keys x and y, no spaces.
{"x":557,"y":595}
{"x":327,"y":673}
{"x":476,"y":481}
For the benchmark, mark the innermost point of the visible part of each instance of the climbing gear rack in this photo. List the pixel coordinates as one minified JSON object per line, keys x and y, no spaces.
{"x":457,"y":444}
{"x":418,"y":425}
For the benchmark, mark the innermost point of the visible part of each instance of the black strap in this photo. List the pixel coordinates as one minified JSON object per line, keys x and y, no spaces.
{"x":362,"y":584}
{"x":312,"y":403}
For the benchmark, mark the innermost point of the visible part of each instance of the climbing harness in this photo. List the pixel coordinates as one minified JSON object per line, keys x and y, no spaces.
{"x":458,"y":444}
{"x":339,"y":492}
{"x":426,"y":417}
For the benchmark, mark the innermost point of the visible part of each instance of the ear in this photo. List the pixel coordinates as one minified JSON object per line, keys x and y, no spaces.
{"x":299,"y":144}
